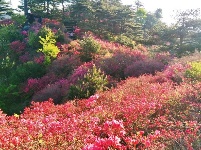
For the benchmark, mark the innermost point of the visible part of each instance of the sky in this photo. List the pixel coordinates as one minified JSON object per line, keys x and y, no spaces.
{"x":168,"y":6}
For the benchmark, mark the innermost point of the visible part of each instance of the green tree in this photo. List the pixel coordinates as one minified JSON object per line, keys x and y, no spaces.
{"x":45,"y":8}
{"x":140,"y":16}
{"x":105,"y":17}
{"x":185,"y":23}
{"x":4,"y":7}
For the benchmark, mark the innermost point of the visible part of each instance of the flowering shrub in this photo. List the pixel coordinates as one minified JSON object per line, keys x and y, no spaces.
{"x":163,"y":57}
{"x":143,"y":67}
{"x":72,"y":48}
{"x":121,"y":59}
{"x":47,"y":21}
{"x":156,"y":111}
{"x":6,"y":22}
{"x":56,"y":91}
{"x":79,"y":72}
{"x":18,"y":46}
{"x":138,"y":114}
{"x":34,"y":85}
{"x":25,"y":57}
{"x":35,"y":27}
{"x":63,"y":66}
{"x":39,"y":59}
{"x":176,"y":72}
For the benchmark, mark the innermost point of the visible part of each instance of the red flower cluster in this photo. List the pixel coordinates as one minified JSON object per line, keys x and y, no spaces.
{"x":18,"y":47}
{"x":140,"y":113}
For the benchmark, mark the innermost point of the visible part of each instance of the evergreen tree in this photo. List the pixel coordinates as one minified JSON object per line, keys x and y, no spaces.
{"x":4,"y":7}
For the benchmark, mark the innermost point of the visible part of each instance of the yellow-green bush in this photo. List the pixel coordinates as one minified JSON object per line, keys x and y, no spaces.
{"x":49,"y":49}
{"x":194,"y":72}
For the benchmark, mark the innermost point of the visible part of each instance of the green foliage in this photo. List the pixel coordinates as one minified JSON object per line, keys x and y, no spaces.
{"x":89,"y":48}
{"x":60,"y":36}
{"x":141,"y":15}
{"x":92,"y":82}
{"x":33,"y":41}
{"x":19,"y":19}
{"x":9,"y":33}
{"x":25,"y":71}
{"x":34,"y":38}
{"x":49,"y":49}
{"x":124,"y":40}
{"x":4,"y":6}
{"x":102,"y":17}
{"x":11,"y":99}
{"x":7,"y":92}
{"x":194,"y":72}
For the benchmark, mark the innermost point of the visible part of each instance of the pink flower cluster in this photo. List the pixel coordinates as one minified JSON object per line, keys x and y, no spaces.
{"x":35,"y":85}
{"x":140,"y":113}
{"x":6,"y":22}
{"x":18,"y":47}
{"x":25,"y":57}
{"x":49,"y":21}
{"x":40,"y":59}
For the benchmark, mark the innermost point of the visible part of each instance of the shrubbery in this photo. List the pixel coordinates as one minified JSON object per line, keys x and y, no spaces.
{"x":49,"y":49}
{"x":194,"y":72}
{"x":94,"y":80}
{"x":89,"y":48}
{"x":26,"y":71}
{"x":143,"y":67}
{"x":139,"y":113}
{"x":115,"y":64}
{"x":159,"y":110}
{"x":124,"y":40}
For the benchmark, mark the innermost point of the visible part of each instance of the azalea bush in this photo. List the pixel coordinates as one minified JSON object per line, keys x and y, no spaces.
{"x":115,"y":63}
{"x":53,"y":86}
{"x":33,"y":85}
{"x":65,"y":65}
{"x":139,"y":114}
{"x":176,"y":72}
{"x":143,"y":67}
{"x":94,"y":94}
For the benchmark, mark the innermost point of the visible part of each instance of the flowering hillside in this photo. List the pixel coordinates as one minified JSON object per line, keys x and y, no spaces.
{"x":149,"y":112}
{"x":93,"y":94}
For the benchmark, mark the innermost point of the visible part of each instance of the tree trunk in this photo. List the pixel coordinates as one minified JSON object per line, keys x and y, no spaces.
{"x":62,"y":6}
{"x":25,"y":7}
{"x":48,"y":5}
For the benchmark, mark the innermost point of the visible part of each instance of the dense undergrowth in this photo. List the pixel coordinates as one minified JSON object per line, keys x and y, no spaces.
{"x":94,"y":94}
